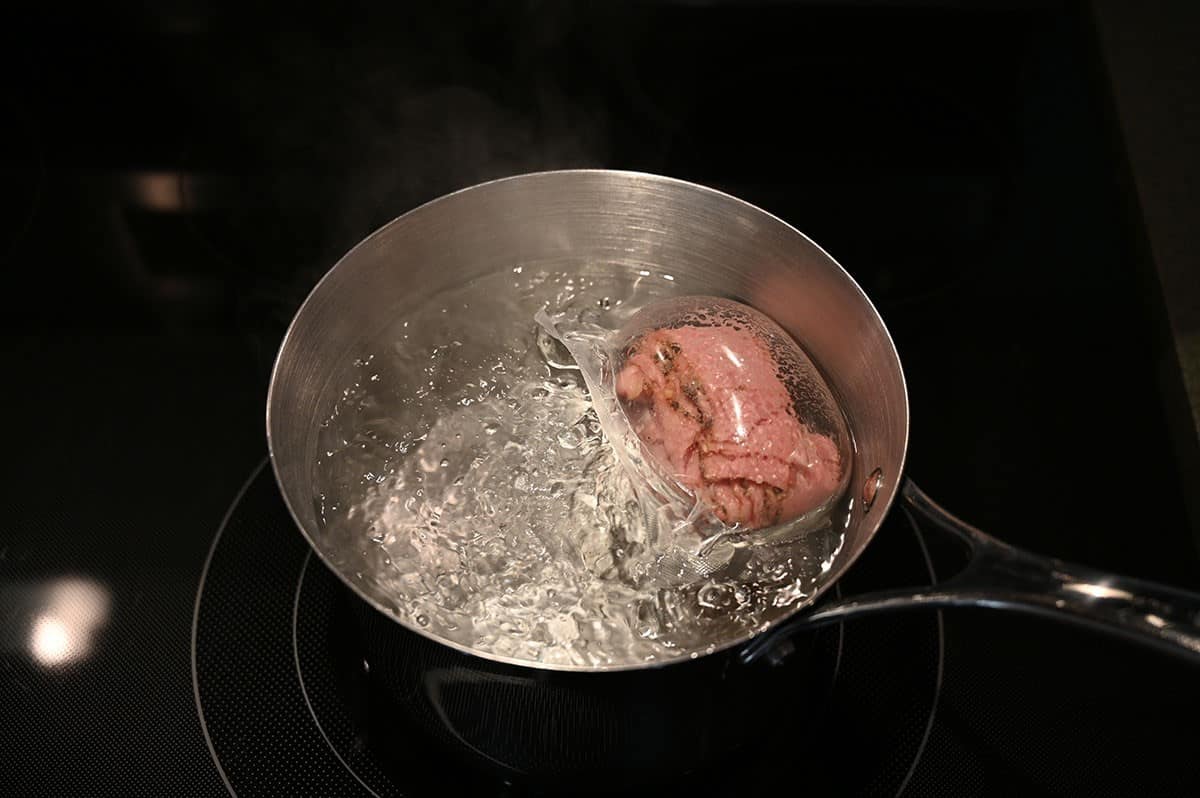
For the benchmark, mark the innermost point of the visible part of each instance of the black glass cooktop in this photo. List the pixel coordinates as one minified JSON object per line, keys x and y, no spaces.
{"x":178,"y":180}
{"x":280,"y":676}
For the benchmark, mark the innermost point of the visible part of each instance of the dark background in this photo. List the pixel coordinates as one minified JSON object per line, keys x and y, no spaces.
{"x":1014,"y":184}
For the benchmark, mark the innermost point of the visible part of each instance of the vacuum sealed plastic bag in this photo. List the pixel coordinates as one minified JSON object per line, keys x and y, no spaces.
{"x":724,"y":424}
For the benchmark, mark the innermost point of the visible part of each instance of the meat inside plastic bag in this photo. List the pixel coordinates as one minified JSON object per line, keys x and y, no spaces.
{"x":723,"y":421}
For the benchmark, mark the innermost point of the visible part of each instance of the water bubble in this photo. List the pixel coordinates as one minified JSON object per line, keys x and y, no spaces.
{"x":571,"y":437}
{"x":546,"y":555}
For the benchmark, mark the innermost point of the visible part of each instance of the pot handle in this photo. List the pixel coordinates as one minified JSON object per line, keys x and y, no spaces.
{"x":1001,"y":576}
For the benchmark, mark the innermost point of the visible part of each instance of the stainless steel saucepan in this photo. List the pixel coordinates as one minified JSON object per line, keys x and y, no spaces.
{"x":717,"y":245}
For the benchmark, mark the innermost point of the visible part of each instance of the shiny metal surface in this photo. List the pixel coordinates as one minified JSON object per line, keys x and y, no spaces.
{"x":714,"y":243}
{"x":1000,"y":576}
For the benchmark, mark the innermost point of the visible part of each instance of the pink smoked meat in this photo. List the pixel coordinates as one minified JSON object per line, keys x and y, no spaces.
{"x":709,"y":404}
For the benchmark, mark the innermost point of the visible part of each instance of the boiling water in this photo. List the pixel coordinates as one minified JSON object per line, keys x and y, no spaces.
{"x":465,"y":462}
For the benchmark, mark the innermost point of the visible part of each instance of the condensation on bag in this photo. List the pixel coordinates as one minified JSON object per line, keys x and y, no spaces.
{"x":724,"y":423}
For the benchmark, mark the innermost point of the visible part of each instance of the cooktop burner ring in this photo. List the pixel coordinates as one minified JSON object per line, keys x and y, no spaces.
{"x":941,"y":660}
{"x":285,"y":699}
{"x":212,"y":549}
{"x":304,"y":690}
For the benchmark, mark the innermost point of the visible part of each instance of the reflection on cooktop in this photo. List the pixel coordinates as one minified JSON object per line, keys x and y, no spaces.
{"x":182,"y":178}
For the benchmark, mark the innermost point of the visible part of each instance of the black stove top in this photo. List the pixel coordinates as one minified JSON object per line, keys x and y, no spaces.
{"x":179,"y":180}
{"x":279,"y":677}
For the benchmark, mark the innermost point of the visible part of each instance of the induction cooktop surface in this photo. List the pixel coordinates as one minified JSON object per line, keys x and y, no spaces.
{"x":179,"y":180}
